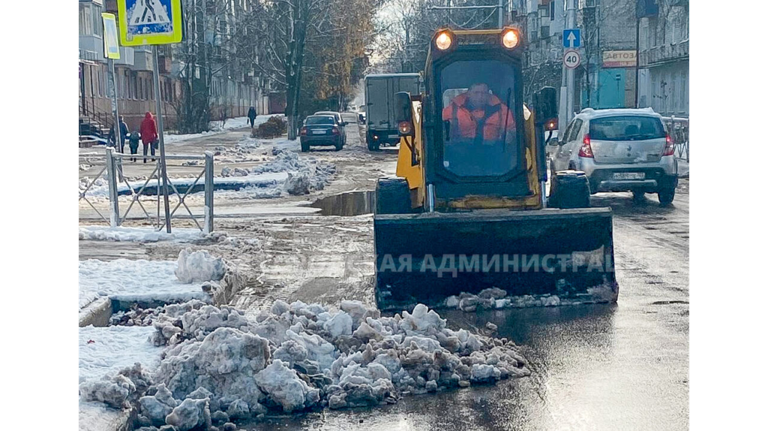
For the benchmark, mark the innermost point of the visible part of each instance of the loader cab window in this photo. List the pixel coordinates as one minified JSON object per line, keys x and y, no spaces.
{"x":480,"y":128}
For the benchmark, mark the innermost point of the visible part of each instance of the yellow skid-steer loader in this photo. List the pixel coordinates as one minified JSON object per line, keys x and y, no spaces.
{"x":469,"y":210}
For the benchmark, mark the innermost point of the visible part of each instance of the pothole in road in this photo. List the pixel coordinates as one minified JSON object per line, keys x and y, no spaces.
{"x":346,"y":204}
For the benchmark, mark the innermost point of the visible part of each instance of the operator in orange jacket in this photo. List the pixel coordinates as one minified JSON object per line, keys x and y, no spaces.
{"x":479,"y":116}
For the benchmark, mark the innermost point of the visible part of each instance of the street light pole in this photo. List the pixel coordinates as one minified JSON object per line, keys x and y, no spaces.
{"x":567,"y":84}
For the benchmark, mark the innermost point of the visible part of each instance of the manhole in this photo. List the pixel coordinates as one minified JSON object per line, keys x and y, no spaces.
{"x":346,"y":204}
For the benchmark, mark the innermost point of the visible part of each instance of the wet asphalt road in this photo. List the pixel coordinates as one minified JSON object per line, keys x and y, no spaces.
{"x":598,"y":367}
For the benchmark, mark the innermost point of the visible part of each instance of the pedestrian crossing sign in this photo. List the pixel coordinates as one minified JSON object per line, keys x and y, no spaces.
{"x":149,"y":22}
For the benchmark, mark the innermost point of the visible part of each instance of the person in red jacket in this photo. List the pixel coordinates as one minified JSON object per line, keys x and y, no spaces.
{"x":148,"y":131}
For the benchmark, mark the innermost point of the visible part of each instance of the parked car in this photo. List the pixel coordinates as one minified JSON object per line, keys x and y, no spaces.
{"x":619,"y":150}
{"x":321,"y":130}
{"x":340,"y":121}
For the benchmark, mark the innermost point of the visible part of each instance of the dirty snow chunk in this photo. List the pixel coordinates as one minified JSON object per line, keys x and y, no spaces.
{"x":199,"y":323}
{"x":424,"y":343}
{"x":337,"y":401}
{"x":484,"y":373}
{"x":339,"y":324}
{"x":285,"y":388}
{"x":365,"y":333}
{"x":492,"y":293}
{"x":355,"y":309}
{"x":190,"y":414}
{"x":297,"y":183}
{"x":111,"y":390}
{"x":551,"y":301}
{"x":199,"y":266}
{"x":491,"y":327}
{"x":452,"y":301}
{"x":422,"y":321}
{"x":238,"y":409}
{"x":291,"y":352}
{"x":158,"y":406}
{"x":318,"y":350}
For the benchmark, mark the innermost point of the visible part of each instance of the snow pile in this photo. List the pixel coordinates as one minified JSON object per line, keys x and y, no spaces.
{"x":296,"y":356}
{"x":495,"y":298}
{"x":194,"y":266}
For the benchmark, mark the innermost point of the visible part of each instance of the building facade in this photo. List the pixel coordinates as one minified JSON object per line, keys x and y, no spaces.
{"x":231,"y":94}
{"x":663,"y":56}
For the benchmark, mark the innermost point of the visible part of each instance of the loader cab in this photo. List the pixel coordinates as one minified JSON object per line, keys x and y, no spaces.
{"x":474,"y":125}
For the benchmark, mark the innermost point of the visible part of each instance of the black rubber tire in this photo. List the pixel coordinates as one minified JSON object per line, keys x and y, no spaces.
{"x":372,"y":146}
{"x":638,"y":197}
{"x":393,"y":196}
{"x":339,"y":145}
{"x":666,"y":196}
{"x":304,"y":147}
{"x":570,"y":189}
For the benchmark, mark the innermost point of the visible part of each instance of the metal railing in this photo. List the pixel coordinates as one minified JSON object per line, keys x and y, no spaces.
{"x":678,"y":130}
{"x":113,"y":166}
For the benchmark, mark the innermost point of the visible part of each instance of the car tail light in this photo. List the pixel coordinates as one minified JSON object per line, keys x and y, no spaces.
{"x":669,"y":147}
{"x":303,"y":131}
{"x":586,"y":148}
{"x":335,"y":130}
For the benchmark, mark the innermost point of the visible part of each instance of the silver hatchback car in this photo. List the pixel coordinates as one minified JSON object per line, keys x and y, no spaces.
{"x":619,"y":150}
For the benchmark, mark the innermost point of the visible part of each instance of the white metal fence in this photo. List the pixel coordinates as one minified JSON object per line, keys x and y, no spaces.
{"x":111,"y":162}
{"x":678,"y":130}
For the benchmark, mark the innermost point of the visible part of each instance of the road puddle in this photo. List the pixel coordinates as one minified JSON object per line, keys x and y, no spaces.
{"x":346,"y":204}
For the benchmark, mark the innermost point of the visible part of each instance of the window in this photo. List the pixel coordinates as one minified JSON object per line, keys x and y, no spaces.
{"x":86,"y":20}
{"x":479,"y":129}
{"x":544,"y":31}
{"x":575,"y":130}
{"x":543,"y":11}
{"x":552,"y":10}
{"x":626,"y":128}
{"x":141,"y":89}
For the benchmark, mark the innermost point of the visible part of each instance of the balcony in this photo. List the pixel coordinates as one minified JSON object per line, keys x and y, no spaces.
{"x":91,"y":48}
{"x":126,"y":56}
{"x":142,"y":58}
{"x":664,"y":54}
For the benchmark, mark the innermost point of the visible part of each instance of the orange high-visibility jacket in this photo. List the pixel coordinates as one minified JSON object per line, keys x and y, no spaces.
{"x":491,"y":119}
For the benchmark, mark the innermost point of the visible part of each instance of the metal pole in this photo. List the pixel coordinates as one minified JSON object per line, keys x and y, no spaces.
{"x":208,"y":226}
{"x":159,"y":109}
{"x":637,"y":61}
{"x":113,"y":96}
{"x":114,"y":210}
{"x":570,"y":73}
{"x":501,"y":13}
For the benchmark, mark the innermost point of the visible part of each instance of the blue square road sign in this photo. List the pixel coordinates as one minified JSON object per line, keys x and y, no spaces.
{"x":572,"y":38}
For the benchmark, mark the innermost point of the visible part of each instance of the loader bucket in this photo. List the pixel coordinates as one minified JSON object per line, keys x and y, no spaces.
{"x":430,"y":256}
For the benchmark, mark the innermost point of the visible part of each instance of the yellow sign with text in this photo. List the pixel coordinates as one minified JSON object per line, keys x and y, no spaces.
{"x":111,"y":47}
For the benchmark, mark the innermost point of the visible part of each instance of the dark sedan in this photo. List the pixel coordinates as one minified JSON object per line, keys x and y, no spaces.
{"x":321,"y":130}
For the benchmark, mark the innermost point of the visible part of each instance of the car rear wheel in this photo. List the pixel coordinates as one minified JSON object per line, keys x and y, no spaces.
{"x":339,"y":145}
{"x":666,"y":196}
{"x":304,"y":147}
{"x":638,"y":196}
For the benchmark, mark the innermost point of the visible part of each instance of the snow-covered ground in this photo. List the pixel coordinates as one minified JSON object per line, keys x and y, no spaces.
{"x":265,"y":180}
{"x":125,"y":279}
{"x":216,"y":128}
{"x":120,"y":233}
{"x":109,"y":349}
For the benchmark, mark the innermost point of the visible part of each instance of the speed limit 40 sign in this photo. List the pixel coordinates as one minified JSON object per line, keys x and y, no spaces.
{"x":572,"y":59}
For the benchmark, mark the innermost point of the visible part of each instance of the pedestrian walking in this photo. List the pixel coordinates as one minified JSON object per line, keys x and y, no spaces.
{"x":119,"y":144}
{"x":148,"y":131}
{"x":133,"y":143}
{"x":251,"y":115}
